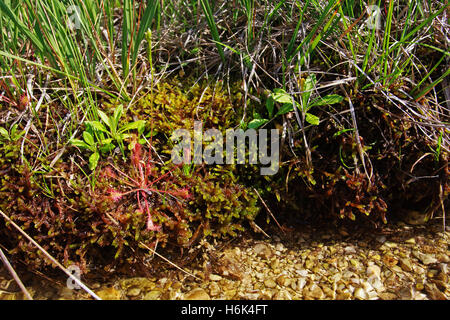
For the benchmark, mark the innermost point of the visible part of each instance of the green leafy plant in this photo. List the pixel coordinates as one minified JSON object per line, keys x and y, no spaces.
{"x":96,"y":147}
{"x":287,"y":103}
{"x":12,"y":136}
{"x":110,"y":126}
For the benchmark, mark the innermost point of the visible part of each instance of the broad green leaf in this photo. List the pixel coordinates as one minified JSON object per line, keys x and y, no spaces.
{"x":4,"y":132}
{"x":312,"y":119}
{"x":140,"y":125}
{"x":105,"y":141}
{"x":285,"y":108}
{"x":97,"y":125}
{"x":88,"y":138}
{"x":256,"y":123}
{"x":107,"y":147}
{"x":93,"y":160}
{"x":151,"y":133}
{"x":118,"y":113}
{"x":79,"y":143}
{"x":14,"y":135}
{"x":308,"y":86}
{"x":104,"y":117}
{"x":281,"y":96}
{"x":330,"y":99}
{"x":270,"y":105}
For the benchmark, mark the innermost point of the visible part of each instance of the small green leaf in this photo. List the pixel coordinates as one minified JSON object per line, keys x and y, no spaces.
{"x":307,"y":90}
{"x":118,"y":113}
{"x":270,"y":105}
{"x":105,"y":141}
{"x":107,"y":147}
{"x":330,"y":99}
{"x":88,"y":138}
{"x":79,"y":143}
{"x":256,"y":123}
{"x":312,"y":119}
{"x":4,"y":132}
{"x":140,"y":125}
{"x":151,"y":133}
{"x":93,"y":160}
{"x":281,"y":96}
{"x":104,"y":118}
{"x":285,"y":108}
{"x":97,"y":125}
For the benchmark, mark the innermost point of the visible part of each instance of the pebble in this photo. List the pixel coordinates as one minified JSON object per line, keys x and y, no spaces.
{"x":387,"y":296}
{"x":405,"y":264}
{"x":433,"y":292}
{"x":262,"y":250}
{"x":133,"y":292}
{"x":269,"y":283}
{"x":343,"y":296}
{"x":197,"y":294}
{"x":349,"y":249}
{"x":152,"y":295}
{"x":309,"y":264}
{"x":109,"y":294}
{"x":301,"y":283}
{"x":313,"y":292}
{"x":215,"y":277}
{"x":214,"y":289}
{"x":360,"y":294}
{"x":283,"y":280}
{"x":426,"y":259}
{"x":373,"y":271}
{"x":280,"y":247}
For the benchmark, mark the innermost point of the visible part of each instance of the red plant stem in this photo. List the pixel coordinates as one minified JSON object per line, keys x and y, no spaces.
{"x":124,"y":174}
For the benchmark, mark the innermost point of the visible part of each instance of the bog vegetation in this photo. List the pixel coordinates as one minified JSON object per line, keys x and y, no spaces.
{"x":90,"y":93}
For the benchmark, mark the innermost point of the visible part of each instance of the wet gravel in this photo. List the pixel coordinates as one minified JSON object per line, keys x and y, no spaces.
{"x":399,"y":262}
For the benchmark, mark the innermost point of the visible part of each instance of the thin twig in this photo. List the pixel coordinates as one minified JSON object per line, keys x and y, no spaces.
{"x":14,"y":275}
{"x":82,"y":285}
{"x":270,"y":212}
{"x":167,"y":260}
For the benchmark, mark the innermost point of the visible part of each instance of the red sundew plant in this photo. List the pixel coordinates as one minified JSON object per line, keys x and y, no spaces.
{"x":143,"y":184}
